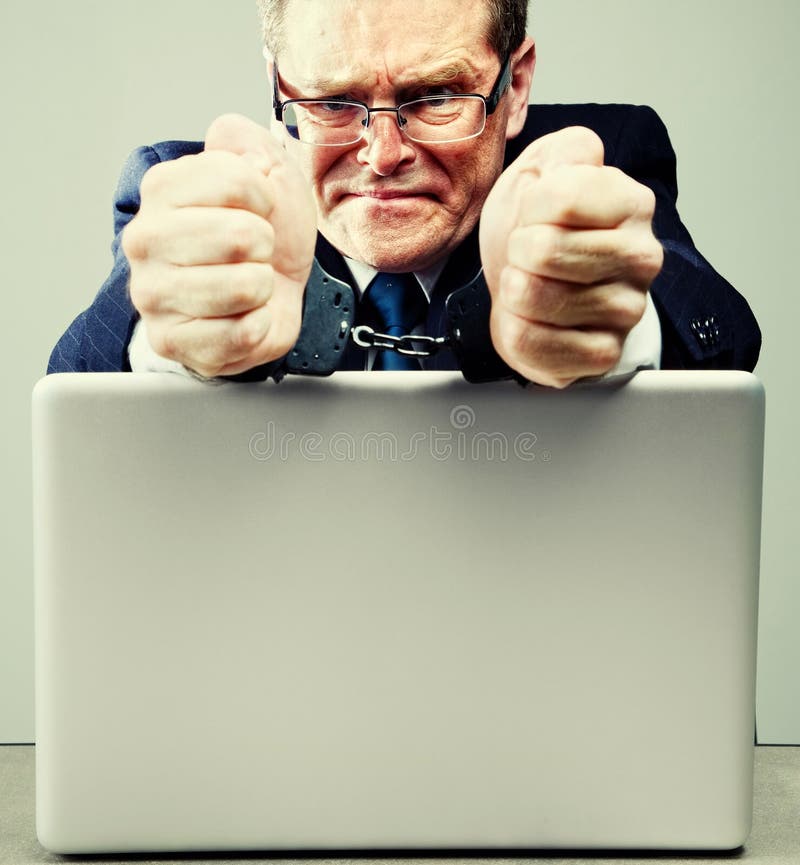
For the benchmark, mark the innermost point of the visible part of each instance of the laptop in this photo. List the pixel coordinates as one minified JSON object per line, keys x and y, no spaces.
{"x":395,"y":611}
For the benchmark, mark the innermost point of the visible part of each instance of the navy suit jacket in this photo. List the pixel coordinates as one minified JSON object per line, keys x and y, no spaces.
{"x":705,"y":322}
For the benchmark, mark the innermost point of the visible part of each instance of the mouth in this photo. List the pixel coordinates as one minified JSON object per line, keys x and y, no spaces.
{"x":389,"y":200}
{"x":390,"y":194}
{"x":386,"y":193}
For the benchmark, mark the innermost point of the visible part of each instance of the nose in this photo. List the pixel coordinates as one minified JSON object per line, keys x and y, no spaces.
{"x":385,"y":147}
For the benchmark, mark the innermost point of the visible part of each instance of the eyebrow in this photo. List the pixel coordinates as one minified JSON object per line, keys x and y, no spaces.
{"x":444,"y":74}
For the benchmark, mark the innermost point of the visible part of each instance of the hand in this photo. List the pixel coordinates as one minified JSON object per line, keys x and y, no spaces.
{"x":568,"y":253}
{"x":220,"y":251}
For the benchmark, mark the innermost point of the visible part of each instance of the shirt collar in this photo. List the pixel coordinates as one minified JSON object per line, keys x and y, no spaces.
{"x":363,"y":274}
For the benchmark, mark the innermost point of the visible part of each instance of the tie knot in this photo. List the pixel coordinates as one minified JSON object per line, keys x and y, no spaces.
{"x":395,"y":302}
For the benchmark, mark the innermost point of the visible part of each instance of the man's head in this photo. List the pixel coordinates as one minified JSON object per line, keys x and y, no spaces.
{"x":387,"y":200}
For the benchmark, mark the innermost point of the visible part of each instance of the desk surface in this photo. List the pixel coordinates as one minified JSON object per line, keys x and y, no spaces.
{"x":775,"y":837}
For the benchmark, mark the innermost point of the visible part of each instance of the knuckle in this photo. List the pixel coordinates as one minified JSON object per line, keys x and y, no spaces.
{"x":655,"y":258}
{"x":634,"y":308}
{"x":247,"y":334}
{"x":519,"y":243}
{"x":240,"y":290}
{"x":266,"y":234}
{"x":238,"y":174}
{"x":646,"y":203}
{"x":517,"y":337}
{"x":516,"y":288}
{"x":642,"y":201}
{"x":136,"y":240}
{"x":547,"y":248}
{"x":249,"y":287}
{"x":588,"y":141}
{"x":225,"y":130}
{"x":626,"y":307}
{"x":155,"y":180}
{"x":241,"y":241}
{"x":265,"y":281}
{"x":163,"y":341}
{"x":535,"y":248}
{"x":144,"y":296}
{"x":249,"y":238}
{"x":567,"y":189}
{"x":646,"y":258}
{"x":602,"y":351}
{"x":533,"y":356}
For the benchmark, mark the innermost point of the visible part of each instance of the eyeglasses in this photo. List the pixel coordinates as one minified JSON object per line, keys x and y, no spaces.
{"x":438,"y":119}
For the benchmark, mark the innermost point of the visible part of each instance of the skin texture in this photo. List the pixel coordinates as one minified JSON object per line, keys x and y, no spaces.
{"x":223,"y":242}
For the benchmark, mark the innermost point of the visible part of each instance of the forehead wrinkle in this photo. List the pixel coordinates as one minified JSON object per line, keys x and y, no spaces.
{"x":331,"y":77}
{"x":366,"y":46}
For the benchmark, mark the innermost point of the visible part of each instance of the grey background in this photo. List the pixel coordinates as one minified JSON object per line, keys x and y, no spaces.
{"x":83,"y":83}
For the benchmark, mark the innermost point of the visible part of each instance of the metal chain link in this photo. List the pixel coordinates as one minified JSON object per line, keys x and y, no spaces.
{"x":366,"y":337}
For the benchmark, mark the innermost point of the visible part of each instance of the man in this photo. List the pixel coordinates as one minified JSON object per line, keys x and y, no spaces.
{"x":390,"y":157}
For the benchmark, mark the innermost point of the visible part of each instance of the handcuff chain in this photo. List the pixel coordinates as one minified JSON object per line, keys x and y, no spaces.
{"x":365,"y":337}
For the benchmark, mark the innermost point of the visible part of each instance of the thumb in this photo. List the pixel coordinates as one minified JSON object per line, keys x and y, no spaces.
{"x":238,"y":134}
{"x":575,"y":145}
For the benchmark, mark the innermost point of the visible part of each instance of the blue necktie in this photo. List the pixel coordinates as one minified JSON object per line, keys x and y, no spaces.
{"x":396,"y":304}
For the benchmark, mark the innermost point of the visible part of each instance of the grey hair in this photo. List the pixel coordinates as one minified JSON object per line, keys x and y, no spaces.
{"x":508,"y":21}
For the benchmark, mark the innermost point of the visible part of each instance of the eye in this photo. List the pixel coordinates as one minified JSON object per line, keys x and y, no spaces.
{"x":329,"y":112}
{"x":334,"y":105}
{"x":437,"y":91}
{"x":435,"y":97}
{"x":438,"y":101}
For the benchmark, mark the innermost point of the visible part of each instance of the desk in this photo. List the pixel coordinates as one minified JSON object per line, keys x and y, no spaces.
{"x":775,"y":837}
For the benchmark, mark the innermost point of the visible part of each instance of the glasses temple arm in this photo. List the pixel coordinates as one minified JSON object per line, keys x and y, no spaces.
{"x":277,"y":105}
{"x":500,"y":87}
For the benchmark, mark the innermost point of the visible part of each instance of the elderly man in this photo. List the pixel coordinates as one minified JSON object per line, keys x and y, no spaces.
{"x":405,"y":167}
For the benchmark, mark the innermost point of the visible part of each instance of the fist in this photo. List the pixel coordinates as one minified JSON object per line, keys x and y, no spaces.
{"x":220,"y":251}
{"x":568,"y":253}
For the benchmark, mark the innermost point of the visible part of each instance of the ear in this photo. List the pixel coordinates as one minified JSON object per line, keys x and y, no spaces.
{"x":523,"y":62}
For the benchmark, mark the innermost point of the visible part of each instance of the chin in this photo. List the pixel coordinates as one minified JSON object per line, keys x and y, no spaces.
{"x":395,"y":260}
{"x":394,"y":252}
{"x":392,"y":237}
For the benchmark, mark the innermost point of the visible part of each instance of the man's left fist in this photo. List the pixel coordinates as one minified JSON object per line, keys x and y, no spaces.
{"x":568,"y":253}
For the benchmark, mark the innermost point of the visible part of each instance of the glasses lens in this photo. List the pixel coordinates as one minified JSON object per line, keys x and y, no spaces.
{"x":328,"y":123}
{"x":444,"y":118}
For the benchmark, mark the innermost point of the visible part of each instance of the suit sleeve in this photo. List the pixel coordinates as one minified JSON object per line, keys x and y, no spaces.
{"x":705,"y":322}
{"x":97,"y":340}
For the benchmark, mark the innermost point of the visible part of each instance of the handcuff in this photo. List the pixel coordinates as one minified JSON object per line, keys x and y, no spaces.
{"x":328,"y":327}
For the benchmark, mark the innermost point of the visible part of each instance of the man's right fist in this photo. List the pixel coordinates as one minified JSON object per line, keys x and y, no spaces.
{"x":220,"y":251}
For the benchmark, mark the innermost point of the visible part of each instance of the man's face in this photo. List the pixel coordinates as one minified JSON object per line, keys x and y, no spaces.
{"x":386,"y":200}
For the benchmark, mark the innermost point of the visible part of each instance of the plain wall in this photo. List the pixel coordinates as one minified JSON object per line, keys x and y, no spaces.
{"x":87,"y":81}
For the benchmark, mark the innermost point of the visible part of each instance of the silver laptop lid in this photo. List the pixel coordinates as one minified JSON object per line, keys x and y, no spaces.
{"x":395,"y":611}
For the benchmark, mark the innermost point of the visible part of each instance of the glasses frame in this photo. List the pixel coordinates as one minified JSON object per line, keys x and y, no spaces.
{"x":490,"y":102}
